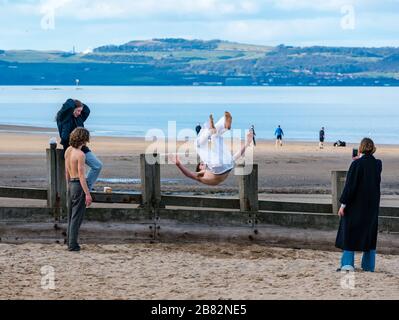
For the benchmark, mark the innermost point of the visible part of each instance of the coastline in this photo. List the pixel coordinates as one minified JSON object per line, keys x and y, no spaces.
{"x":25,"y":129}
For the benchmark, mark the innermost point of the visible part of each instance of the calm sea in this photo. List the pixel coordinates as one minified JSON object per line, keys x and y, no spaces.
{"x":347,"y":113}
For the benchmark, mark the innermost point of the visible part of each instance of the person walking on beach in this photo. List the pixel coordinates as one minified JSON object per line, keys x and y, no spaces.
{"x":198,"y":129}
{"x":72,"y":115}
{"x":217,"y":161}
{"x":79,"y":192}
{"x":321,"y":138}
{"x":359,"y":211}
{"x":279,"y":136}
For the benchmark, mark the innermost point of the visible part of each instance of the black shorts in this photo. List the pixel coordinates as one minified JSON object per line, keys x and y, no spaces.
{"x":279,"y":137}
{"x":321,"y":139}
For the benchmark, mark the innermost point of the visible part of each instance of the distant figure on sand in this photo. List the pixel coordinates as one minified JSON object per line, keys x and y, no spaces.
{"x":72,"y":115}
{"x":198,"y":129}
{"x":358,"y":228}
{"x":79,"y":192}
{"x":279,"y":136}
{"x":217,"y":160}
{"x":321,"y":138}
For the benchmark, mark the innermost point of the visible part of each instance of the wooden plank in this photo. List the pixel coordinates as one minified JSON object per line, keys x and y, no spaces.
{"x":320,"y":221}
{"x":112,"y":233}
{"x":295,"y":206}
{"x":201,"y":202}
{"x":101,"y":197}
{"x":52,"y":176}
{"x":205,"y":217}
{"x":23,"y":193}
{"x":389,"y":211}
{"x":90,"y":232}
{"x":136,"y":215}
{"x":388,"y":224}
{"x":61,"y":182}
{"x":10,"y":214}
{"x":203,"y":233}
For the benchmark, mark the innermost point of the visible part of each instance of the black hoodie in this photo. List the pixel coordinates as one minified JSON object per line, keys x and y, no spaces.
{"x":67,"y":122}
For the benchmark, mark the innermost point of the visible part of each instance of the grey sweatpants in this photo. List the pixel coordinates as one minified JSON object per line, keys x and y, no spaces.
{"x":77,"y":205}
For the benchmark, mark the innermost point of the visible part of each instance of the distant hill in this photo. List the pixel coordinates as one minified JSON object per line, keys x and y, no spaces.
{"x":198,"y":62}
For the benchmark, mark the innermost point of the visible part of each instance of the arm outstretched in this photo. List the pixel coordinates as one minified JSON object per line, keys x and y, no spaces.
{"x":246,"y":145}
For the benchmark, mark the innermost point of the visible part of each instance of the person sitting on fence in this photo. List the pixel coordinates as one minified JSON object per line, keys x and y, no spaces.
{"x":217,"y":161}
{"x":79,"y":192}
{"x":72,"y":115}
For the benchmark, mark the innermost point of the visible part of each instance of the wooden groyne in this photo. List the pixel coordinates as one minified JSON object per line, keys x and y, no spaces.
{"x":150,"y":215}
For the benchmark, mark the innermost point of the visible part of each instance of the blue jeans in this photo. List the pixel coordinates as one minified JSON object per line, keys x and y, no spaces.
{"x":95,"y":169}
{"x":368,"y":260}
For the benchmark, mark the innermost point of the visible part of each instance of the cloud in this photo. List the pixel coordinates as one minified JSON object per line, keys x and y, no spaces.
{"x":101,"y":9}
{"x":278,"y":31}
{"x":89,"y":23}
{"x":323,"y":5}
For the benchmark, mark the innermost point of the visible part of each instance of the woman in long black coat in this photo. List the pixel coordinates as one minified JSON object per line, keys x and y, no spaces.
{"x":360,"y":201}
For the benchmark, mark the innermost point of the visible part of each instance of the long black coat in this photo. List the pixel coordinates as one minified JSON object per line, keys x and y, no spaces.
{"x":66,"y":122}
{"x":359,"y":227}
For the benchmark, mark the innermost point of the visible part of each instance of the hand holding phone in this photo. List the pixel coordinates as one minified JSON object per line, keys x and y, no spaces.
{"x":355,"y":153}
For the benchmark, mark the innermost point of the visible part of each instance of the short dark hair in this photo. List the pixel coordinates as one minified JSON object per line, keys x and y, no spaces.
{"x":79,"y":137}
{"x":78,"y":104}
{"x":367,"y":146}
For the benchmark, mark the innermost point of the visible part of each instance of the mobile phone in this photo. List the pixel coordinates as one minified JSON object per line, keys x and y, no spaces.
{"x":355,"y":153}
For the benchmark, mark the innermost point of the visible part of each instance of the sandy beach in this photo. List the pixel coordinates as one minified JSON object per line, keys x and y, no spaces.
{"x":299,"y":171}
{"x":296,"y":168}
{"x":189,"y":271}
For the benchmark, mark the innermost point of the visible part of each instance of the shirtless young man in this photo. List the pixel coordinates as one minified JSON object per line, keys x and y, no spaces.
{"x":216,"y":164}
{"x":79,"y":194}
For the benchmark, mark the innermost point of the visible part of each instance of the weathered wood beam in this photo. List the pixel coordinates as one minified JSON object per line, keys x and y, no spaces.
{"x":23,"y":193}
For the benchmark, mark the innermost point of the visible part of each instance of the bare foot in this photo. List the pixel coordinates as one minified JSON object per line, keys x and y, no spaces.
{"x":229,"y":120}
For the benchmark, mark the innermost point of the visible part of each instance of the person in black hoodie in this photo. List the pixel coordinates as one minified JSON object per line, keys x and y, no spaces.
{"x":360,"y":203}
{"x":72,"y":115}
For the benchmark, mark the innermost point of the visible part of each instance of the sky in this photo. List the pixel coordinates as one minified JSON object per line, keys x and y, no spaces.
{"x":87,"y":24}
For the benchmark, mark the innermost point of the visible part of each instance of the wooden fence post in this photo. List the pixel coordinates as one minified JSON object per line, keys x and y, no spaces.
{"x":52,"y":177}
{"x":337,"y":186}
{"x":248,"y":185}
{"x":150,"y":180}
{"x":61,"y":182}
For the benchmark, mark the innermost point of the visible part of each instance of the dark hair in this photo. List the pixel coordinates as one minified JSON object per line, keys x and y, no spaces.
{"x":78,"y":104}
{"x":79,"y":137}
{"x":367,"y":146}
{"x":198,"y":169}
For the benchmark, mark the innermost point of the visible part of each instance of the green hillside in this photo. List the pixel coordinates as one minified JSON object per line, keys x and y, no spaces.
{"x":198,"y":62}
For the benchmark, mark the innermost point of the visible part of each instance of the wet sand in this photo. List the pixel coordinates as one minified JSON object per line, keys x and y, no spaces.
{"x":297,"y":167}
